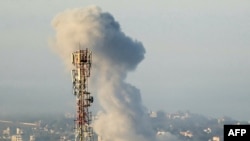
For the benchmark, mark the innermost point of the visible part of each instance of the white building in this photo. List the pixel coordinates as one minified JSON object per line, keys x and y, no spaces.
{"x":152,"y":114}
{"x":187,"y":133}
{"x":32,"y":138}
{"x":16,"y":138}
{"x":215,"y":138}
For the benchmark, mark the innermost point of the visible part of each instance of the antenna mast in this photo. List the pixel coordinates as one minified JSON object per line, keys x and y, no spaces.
{"x":82,"y":60}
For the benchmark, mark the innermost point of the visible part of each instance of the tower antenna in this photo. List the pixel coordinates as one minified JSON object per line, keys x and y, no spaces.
{"x":82,"y":60}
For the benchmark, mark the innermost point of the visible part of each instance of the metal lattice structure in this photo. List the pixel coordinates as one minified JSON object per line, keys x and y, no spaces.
{"x":82,"y":60}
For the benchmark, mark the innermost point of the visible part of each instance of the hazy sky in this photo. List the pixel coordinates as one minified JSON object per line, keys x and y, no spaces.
{"x":197,"y":55}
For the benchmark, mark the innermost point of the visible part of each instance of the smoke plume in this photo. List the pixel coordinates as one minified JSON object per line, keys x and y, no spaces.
{"x":123,"y":117}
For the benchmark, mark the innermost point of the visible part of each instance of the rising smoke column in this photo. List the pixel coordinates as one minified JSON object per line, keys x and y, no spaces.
{"x":123,"y":117}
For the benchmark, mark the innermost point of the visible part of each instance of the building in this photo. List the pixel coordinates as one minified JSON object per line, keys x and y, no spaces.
{"x":16,"y":138}
{"x":32,"y":138}
{"x":187,"y":133}
{"x":216,"y":138}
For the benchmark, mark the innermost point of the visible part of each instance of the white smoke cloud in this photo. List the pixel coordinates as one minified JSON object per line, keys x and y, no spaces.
{"x":123,"y":118}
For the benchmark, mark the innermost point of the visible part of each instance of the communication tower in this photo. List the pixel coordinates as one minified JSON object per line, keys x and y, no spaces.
{"x":82,"y":60}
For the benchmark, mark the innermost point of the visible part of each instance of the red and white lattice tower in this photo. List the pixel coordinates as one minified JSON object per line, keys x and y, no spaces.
{"x":81,"y":59}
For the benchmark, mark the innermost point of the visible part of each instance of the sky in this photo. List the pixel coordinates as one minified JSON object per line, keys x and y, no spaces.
{"x":197,"y":55}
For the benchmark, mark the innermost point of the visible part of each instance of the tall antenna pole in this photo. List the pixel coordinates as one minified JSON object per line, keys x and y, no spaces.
{"x":82,"y":60}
